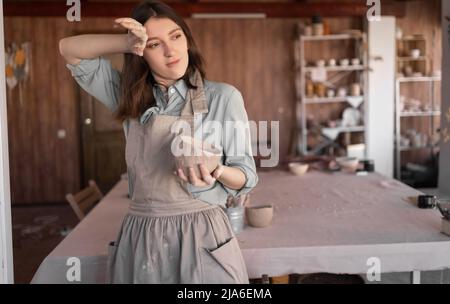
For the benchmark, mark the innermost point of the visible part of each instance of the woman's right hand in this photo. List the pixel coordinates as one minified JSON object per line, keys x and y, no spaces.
{"x":137,"y":35}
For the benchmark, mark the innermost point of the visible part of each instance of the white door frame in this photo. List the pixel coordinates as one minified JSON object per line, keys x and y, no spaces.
{"x":6,"y":256}
{"x":380,"y":108}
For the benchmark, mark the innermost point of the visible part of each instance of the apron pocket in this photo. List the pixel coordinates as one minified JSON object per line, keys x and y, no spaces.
{"x":223,"y":265}
{"x":112,"y":249}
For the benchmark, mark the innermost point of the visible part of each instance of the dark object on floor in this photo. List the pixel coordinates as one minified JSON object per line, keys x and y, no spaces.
{"x":330,"y":278}
{"x":37,"y":230}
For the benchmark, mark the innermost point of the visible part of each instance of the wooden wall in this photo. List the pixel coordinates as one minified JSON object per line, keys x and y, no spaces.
{"x":255,"y":55}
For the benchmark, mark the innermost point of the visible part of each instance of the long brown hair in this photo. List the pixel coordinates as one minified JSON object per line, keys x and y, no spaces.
{"x":137,"y":80}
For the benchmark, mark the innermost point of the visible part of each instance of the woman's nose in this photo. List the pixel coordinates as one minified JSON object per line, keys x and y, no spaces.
{"x":169,"y":50}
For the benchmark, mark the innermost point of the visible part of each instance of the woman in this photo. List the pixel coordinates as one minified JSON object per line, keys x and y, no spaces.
{"x":175,"y":230}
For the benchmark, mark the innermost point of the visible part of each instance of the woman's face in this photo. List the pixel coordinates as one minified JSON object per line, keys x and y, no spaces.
{"x":167,"y":51}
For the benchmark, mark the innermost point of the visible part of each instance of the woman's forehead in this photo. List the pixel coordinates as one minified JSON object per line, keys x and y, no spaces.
{"x":160,"y":27}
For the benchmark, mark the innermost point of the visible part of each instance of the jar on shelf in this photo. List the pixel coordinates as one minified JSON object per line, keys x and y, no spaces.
{"x":320,"y":89}
{"x":355,"y":89}
{"x":308,"y":30}
{"x":309,"y":89}
{"x":318,"y":28}
{"x":326,"y":28}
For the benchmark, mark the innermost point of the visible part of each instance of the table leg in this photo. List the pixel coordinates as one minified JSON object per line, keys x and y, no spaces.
{"x":415,"y":277}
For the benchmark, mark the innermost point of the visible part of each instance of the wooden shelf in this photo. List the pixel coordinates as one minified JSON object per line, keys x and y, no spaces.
{"x":421,"y":78}
{"x":415,"y":148}
{"x":337,"y":68}
{"x":410,"y":58}
{"x":412,"y":114}
{"x":330,"y":37}
{"x":345,"y":129}
{"x":305,"y":67}
{"x":314,"y":100}
{"x":412,"y":38}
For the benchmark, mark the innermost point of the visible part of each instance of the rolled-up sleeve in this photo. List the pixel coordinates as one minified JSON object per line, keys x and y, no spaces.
{"x":237,"y":143}
{"x":98,"y":78}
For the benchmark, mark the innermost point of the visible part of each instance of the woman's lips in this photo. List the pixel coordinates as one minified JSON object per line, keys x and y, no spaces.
{"x":173,"y":63}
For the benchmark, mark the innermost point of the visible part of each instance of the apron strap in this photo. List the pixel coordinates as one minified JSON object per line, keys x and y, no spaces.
{"x":195,"y":98}
{"x":195,"y":101}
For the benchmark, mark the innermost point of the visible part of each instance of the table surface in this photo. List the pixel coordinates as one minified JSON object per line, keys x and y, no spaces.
{"x":323,"y":222}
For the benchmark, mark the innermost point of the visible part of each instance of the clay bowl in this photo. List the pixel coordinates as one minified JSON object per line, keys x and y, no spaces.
{"x":348,"y":164}
{"x":298,"y":168}
{"x":259,"y":216}
{"x":194,"y":152}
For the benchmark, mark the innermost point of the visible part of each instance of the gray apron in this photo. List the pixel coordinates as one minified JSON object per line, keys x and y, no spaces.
{"x":168,"y":236}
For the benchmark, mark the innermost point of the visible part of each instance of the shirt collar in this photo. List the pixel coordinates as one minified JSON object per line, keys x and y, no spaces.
{"x":180,"y":86}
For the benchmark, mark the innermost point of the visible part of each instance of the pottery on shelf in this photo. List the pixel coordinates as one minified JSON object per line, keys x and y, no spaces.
{"x":320,"y":63}
{"x":355,"y":89}
{"x":344,"y":62}
{"x":356,"y":61}
{"x":342,"y":92}
{"x":415,"y":53}
{"x":351,"y":117}
{"x":191,"y":152}
{"x":259,"y":216}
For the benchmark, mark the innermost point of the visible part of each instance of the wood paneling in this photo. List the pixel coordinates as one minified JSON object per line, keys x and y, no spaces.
{"x":255,"y":55}
{"x":272,"y":9}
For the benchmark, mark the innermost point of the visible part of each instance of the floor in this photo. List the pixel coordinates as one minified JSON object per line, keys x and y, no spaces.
{"x":37,"y":230}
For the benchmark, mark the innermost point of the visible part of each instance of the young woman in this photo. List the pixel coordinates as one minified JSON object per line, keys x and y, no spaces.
{"x":175,"y":230}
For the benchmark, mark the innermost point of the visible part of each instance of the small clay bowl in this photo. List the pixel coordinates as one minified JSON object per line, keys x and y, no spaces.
{"x":259,"y":216}
{"x":348,"y":164}
{"x":298,"y":168}
{"x":196,"y":152}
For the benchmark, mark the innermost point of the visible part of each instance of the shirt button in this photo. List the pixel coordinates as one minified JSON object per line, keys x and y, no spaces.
{"x":172,"y":90}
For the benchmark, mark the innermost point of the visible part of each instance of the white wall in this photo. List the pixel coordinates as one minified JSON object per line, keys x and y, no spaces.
{"x":6,"y":258}
{"x":380,"y":106}
{"x":444,"y":157}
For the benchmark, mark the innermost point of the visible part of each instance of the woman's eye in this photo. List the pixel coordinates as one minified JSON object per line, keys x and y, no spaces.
{"x":152,"y":46}
{"x":177,"y":36}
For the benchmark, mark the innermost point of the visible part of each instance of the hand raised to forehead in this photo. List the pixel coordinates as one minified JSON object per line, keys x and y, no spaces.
{"x":137,"y":35}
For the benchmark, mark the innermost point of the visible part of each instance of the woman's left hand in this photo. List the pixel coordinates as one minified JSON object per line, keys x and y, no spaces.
{"x":206,"y":179}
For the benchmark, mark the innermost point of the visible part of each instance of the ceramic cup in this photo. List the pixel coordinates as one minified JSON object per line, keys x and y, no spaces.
{"x":344,"y":62}
{"x":320,"y":63}
{"x":330,"y":93}
{"x":408,"y":70}
{"x":259,"y":216}
{"x":415,"y":53}
{"x":355,"y":61}
{"x":342,"y":92}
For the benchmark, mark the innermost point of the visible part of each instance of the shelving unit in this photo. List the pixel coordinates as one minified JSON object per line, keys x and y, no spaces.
{"x":304,"y":69}
{"x":402,"y":114}
{"x":416,"y":64}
